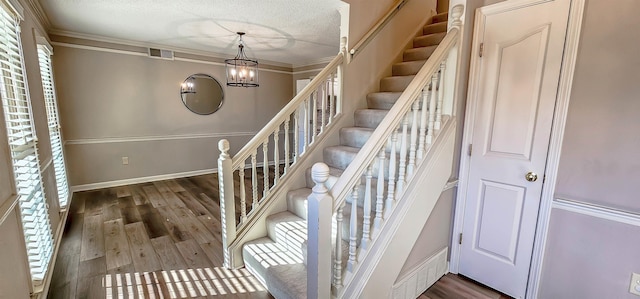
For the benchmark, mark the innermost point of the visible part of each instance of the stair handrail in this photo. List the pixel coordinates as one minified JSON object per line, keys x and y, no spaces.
{"x":367,"y":37}
{"x":426,"y":89}
{"x":323,"y":93}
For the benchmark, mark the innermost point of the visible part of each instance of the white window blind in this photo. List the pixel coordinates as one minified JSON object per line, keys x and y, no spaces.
{"x":46,"y":72}
{"x":22,"y":142}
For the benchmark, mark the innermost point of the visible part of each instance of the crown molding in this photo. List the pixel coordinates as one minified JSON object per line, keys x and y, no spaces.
{"x":38,"y":13}
{"x":127,"y":42}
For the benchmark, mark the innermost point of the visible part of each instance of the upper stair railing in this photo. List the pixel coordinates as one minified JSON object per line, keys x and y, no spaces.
{"x":281,"y":143}
{"x":404,"y":138}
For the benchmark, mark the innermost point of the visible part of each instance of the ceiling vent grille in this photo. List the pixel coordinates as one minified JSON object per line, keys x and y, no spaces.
{"x":159,"y":53}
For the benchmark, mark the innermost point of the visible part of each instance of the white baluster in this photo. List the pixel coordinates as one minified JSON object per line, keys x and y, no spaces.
{"x":414,"y":136}
{"x":423,"y":123}
{"x":286,"y":146}
{"x":331,"y":98}
{"x":254,"y":180}
{"x":432,"y":108}
{"x":403,"y":153}
{"x":276,"y":158}
{"x":227,"y":201}
{"x":337,"y":261}
{"x":243,"y":196}
{"x":296,"y":135}
{"x":366,"y":223}
{"x":265,"y":168}
{"x":320,"y":208}
{"x":353,"y":231}
{"x":440,"y":97}
{"x":323,"y":105}
{"x":391,"y":192}
{"x":377,"y":221}
{"x":306,"y":126}
{"x":314,"y":125}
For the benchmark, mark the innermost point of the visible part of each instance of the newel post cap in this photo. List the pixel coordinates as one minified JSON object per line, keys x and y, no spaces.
{"x":320,"y":173}
{"x":456,"y":14}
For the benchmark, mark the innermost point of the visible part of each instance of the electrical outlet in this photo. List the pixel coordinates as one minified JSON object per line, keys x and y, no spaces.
{"x":634,"y":287}
{"x":125,"y":160}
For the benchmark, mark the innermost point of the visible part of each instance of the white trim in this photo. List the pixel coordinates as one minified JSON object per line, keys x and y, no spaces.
{"x":139,"y":180}
{"x":450,"y":185}
{"x":145,"y":54}
{"x":570,"y":55}
{"x":597,"y":211}
{"x":422,"y":276}
{"x":16,"y":7}
{"x":555,"y":145}
{"x":154,"y":138}
{"x":127,"y":42}
{"x":99,"y":49}
{"x":56,"y":247}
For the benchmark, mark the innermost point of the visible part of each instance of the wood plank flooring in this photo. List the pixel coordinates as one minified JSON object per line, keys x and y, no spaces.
{"x":162,"y":240}
{"x":453,"y":286}
{"x":152,"y":240}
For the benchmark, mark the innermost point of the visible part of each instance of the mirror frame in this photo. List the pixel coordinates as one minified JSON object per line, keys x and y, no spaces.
{"x":184,"y":94}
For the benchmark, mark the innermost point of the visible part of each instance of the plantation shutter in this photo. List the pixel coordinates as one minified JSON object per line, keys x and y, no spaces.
{"x":22,"y":143}
{"x":46,"y":72}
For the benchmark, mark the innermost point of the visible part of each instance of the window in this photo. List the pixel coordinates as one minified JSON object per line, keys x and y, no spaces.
{"x":46,"y":72}
{"x":22,"y":143}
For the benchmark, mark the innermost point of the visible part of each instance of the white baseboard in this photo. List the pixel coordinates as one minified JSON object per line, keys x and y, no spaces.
{"x":421,"y":277}
{"x":139,"y":180}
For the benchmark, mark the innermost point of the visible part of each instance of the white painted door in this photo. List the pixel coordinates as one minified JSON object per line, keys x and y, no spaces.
{"x":514,"y":93}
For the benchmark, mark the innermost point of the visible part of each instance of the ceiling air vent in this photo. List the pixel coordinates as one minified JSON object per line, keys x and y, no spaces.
{"x":162,"y":54}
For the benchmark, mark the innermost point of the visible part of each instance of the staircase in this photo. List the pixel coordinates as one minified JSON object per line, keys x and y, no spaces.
{"x":279,"y":259}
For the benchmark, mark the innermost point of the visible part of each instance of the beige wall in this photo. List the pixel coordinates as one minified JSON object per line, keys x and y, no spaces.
{"x":115,"y":105}
{"x":587,"y":256}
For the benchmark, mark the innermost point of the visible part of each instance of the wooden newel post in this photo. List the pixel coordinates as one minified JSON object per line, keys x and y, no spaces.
{"x":320,"y":210}
{"x":227,"y":204}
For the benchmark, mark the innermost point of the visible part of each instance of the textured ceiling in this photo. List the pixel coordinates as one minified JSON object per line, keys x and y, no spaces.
{"x":288,"y":31}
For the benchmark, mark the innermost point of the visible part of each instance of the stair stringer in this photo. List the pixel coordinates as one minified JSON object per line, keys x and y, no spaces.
{"x":381,"y":265}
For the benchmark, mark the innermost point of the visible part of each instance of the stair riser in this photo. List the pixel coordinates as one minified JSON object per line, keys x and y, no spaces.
{"x":428,"y":40}
{"x":442,"y":17}
{"x":290,"y":230}
{"x":359,"y":138}
{"x":435,"y":28}
{"x":407,"y":69}
{"x":418,"y":53}
{"x":371,"y":119}
{"x":396,"y":83}
{"x":342,"y":159}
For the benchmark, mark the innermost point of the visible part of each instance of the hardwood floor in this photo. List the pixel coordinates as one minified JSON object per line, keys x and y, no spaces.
{"x":453,"y":286}
{"x":152,"y":240}
{"x":162,"y":240}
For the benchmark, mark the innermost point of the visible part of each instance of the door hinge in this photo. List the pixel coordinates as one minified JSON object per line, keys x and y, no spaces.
{"x":481,"y":49}
{"x":470,"y":149}
{"x":460,"y":239}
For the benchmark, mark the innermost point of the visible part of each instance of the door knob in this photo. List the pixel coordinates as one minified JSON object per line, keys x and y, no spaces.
{"x":531,"y":176}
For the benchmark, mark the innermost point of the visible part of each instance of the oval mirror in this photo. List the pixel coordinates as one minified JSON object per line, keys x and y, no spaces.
{"x":202,"y":94}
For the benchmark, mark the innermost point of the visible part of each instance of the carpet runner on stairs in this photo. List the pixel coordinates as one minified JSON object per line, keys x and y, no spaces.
{"x":279,"y":259}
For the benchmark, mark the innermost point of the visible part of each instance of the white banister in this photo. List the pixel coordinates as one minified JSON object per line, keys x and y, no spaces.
{"x":408,"y":133}
{"x":227,"y":200}
{"x":307,"y":106}
{"x":320,"y":209}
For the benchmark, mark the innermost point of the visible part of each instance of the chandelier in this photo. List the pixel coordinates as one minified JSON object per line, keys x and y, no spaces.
{"x":242,"y":71}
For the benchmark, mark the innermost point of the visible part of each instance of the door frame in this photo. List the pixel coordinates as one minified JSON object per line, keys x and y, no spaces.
{"x":569,"y":56}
